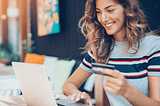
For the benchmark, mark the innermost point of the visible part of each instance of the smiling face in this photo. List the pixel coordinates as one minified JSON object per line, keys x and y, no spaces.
{"x":111,"y":15}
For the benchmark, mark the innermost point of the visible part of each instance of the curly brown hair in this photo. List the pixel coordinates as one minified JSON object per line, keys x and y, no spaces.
{"x":99,"y":43}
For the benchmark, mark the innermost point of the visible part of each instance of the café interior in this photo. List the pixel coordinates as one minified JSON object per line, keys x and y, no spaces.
{"x":46,"y":32}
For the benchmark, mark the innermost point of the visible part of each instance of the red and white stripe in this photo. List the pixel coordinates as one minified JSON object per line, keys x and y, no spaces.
{"x":87,"y":63}
{"x":155,"y":55}
{"x":135,"y":74}
{"x":145,"y":60}
{"x":91,"y":54}
{"x":154,"y":67}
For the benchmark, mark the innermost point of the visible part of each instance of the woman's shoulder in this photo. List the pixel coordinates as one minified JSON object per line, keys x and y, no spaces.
{"x":151,"y":38}
{"x":151,"y":43}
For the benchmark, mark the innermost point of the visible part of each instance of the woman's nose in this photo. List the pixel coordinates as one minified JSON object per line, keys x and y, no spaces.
{"x":104,"y":17}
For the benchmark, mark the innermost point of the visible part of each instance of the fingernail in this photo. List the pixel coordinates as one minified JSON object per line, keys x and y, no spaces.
{"x":82,"y":96}
{"x":72,"y":98}
{"x":77,"y":99}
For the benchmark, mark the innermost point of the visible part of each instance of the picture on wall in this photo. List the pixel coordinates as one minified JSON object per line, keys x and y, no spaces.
{"x":48,"y":19}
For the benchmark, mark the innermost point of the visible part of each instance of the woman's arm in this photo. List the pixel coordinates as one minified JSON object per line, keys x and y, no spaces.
{"x":154,"y":86}
{"x":138,"y":99}
{"x":75,"y":81}
{"x":117,"y":84}
{"x":70,"y":87}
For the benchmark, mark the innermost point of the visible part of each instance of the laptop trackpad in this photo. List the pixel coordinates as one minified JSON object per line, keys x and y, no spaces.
{"x":68,"y":102}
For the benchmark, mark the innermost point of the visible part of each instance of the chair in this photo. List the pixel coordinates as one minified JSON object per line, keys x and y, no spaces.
{"x":99,"y":93}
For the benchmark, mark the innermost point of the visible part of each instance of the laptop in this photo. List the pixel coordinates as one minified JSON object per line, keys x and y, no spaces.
{"x":36,"y":88}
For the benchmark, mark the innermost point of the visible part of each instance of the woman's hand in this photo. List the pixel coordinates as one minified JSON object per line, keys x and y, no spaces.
{"x":81,"y":97}
{"x":115,"y":82}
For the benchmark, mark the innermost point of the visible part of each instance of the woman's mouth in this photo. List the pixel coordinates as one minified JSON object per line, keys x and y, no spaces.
{"x":110,"y":24}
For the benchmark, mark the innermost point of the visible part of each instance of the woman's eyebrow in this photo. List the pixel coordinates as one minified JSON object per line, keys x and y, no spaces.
{"x":106,"y":7}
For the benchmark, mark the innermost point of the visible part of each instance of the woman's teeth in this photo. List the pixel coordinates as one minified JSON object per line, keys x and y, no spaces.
{"x":108,"y":25}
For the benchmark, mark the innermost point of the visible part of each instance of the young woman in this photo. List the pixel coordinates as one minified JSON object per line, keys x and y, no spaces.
{"x":118,"y":34}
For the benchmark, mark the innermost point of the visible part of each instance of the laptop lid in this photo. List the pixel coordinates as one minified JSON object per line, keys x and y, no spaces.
{"x":34,"y":84}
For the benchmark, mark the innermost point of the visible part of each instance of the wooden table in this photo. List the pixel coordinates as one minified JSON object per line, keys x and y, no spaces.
{"x":12,"y":101}
{"x":17,"y":100}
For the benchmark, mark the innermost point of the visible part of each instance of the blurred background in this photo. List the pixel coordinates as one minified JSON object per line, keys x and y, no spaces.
{"x":19,"y":31}
{"x":46,"y":32}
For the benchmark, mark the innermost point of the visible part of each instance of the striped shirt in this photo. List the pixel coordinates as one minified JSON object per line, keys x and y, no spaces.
{"x":135,"y":67}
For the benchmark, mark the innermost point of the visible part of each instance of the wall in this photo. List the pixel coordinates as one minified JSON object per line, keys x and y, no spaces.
{"x":67,"y":43}
{"x":152,"y":10}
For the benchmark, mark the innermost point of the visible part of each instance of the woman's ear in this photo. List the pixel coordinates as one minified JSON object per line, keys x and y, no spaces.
{"x":126,"y":13}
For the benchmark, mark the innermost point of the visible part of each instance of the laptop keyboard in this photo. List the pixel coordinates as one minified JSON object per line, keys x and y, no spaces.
{"x":60,"y":105}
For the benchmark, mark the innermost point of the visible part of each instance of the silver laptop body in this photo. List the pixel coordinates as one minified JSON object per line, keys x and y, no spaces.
{"x":35,"y":86}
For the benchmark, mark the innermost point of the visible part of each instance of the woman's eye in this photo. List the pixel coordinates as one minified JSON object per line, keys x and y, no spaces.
{"x":111,"y":10}
{"x":98,"y":12}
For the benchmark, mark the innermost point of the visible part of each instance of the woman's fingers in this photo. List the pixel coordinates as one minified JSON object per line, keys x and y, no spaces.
{"x":73,"y":97}
{"x":78,"y":96}
{"x":115,"y":82}
{"x":109,"y":89}
{"x":110,"y":72}
{"x":112,"y":88}
{"x":84,"y":95}
{"x":87,"y":99}
{"x":81,"y":97}
{"x":91,"y":102}
{"x":107,"y":71}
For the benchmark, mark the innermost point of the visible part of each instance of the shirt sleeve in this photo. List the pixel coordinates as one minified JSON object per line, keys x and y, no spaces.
{"x":86,"y":63}
{"x":154,"y":59}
